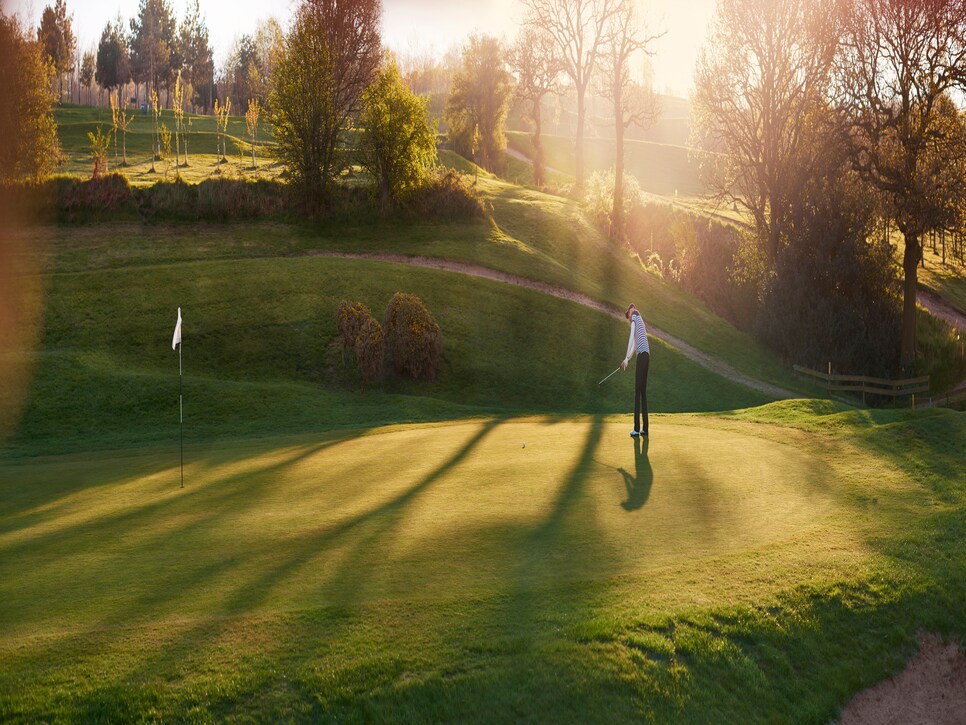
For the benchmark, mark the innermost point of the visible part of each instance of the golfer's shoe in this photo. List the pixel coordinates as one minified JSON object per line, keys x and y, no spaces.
{"x":635,"y":433}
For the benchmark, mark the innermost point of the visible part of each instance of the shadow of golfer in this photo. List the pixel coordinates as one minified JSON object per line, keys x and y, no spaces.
{"x":638,"y":486}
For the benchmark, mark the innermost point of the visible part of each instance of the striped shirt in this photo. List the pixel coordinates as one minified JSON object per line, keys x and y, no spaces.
{"x":638,"y":338}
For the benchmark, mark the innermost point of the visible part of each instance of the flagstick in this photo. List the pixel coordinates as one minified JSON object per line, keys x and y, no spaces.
{"x":181,"y":409}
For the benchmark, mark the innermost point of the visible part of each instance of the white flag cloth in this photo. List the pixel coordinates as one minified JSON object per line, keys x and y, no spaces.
{"x":176,"y":340}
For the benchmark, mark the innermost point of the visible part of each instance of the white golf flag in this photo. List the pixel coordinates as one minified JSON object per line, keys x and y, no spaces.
{"x":176,"y":340}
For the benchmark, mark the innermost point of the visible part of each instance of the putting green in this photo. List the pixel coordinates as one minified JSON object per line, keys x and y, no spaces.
{"x":414,"y":513}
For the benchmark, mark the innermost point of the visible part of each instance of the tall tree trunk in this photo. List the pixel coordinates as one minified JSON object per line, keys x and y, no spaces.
{"x":617,"y":214}
{"x":538,"y":169}
{"x":579,"y":141}
{"x":385,"y":196}
{"x":253,"y":151}
{"x":910,"y":262}
{"x":125,"y":148}
{"x":774,"y":228}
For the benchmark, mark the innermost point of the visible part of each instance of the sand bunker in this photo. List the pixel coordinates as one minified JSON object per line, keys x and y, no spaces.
{"x":932,"y":689}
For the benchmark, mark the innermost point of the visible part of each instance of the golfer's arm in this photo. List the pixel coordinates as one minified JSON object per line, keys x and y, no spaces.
{"x":630,"y":346}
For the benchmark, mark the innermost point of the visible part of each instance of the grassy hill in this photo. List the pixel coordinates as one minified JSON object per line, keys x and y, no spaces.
{"x":660,"y":168}
{"x":112,"y":292}
{"x":75,"y":122}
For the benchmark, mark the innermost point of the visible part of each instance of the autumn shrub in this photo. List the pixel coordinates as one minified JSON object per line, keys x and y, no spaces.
{"x":414,"y":343}
{"x":349,"y":321}
{"x":370,"y":349}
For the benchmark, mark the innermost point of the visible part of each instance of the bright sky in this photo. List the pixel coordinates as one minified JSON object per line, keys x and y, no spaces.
{"x":408,"y":23}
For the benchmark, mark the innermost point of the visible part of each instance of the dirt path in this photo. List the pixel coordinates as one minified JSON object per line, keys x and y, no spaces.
{"x":942,"y":308}
{"x":707,"y":361}
{"x":932,"y":689}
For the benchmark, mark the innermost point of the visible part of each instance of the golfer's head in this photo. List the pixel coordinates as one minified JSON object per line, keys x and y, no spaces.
{"x":631,"y":309}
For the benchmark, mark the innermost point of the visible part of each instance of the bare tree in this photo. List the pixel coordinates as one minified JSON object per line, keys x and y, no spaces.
{"x":901,"y":60}
{"x":534,"y":62}
{"x":633,"y":103}
{"x":177,"y":107}
{"x":765,"y":66}
{"x":251,"y":121}
{"x":577,"y":29}
{"x":124,"y":120}
{"x":221,"y":124}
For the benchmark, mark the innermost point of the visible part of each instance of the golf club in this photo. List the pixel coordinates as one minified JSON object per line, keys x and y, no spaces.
{"x":618,"y":370}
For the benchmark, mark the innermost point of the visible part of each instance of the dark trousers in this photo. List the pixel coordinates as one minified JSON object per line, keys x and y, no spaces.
{"x":640,"y":390}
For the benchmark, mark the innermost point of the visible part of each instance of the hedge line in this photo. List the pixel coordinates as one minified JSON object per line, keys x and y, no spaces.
{"x":66,"y":199}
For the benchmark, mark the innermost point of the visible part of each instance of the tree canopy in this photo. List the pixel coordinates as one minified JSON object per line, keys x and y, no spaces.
{"x":328,"y":59}
{"x":397,"y":145}
{"x":56,"y":37}
{"x":479,"y":100}
{"x":113,"y":61}
{"x":26,"y":106}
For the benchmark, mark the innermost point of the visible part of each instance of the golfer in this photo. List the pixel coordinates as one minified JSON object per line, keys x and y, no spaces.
{"x":638,"y":343}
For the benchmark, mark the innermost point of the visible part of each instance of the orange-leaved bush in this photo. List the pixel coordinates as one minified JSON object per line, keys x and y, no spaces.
{"x":349,"y":321}
{"x":414,"y":343}
{"x":370,"y":349}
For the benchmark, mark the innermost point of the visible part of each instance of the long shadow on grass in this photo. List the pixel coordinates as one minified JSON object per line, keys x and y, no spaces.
{"x":639,"y":485}
{"x":191,"y":641}
{"x":217,"y":494}
{"x":797,"y":657}
{"x":564,"y":545}
{"x":347,"y":582}
{"x":166,"y":585}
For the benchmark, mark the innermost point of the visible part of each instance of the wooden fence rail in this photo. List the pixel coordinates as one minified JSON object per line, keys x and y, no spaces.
{"x":866,"y":385}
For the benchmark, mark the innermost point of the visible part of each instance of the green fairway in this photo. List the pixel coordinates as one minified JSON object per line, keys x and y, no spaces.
{"x":483,"y":487}
{"x":447,"y":571}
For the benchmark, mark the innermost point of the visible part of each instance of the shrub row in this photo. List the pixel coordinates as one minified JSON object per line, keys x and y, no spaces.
{"x":445,"y":195}
{"x":67,"y":199}
{"x":408,"y":340}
